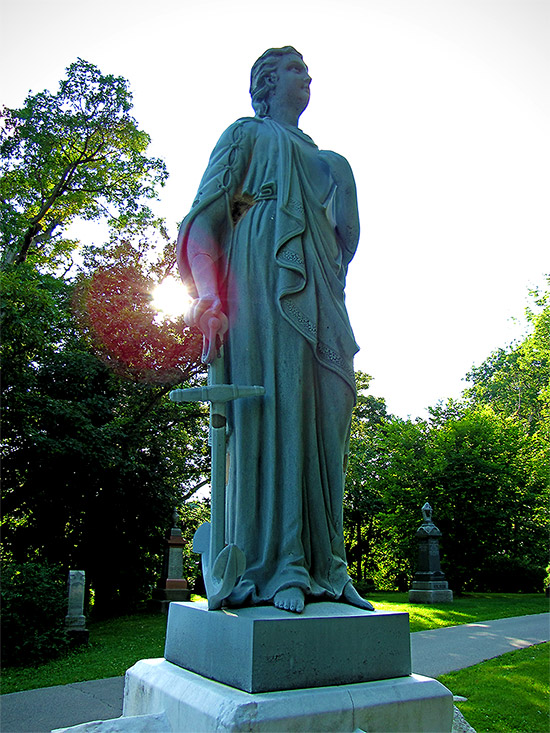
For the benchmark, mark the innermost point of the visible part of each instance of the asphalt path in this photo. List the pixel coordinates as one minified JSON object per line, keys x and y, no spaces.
{"x":433,"y":653}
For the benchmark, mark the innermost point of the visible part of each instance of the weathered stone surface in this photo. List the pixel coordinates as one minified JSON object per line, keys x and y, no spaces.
{"x":460,"y":724}
{"x":263,"y":648}
{"x":430,"y":596}
{"x":150,"y":723}
{"x":75,"y":619}
{"x":195,"y":704}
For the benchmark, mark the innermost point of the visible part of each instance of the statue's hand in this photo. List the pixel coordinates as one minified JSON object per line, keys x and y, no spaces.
{"x":206,"y":304}
{"x":206,"y":313}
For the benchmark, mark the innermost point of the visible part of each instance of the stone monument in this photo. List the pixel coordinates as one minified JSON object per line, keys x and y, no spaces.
{"x":172,"y":586}
{"x":75,"y":620}
{"x":429,"y":584}
{"x":285,"y":641}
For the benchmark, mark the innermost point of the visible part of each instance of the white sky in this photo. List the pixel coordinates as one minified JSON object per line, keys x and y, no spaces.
{"x":441,"y":107}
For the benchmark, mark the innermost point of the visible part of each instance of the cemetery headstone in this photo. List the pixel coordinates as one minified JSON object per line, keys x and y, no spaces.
{"x":172,"y":586}
{"x":75,"y":620}
{"x":429,"y":584}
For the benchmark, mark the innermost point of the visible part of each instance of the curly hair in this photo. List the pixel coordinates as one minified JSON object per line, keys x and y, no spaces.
{"x":262,"y":81}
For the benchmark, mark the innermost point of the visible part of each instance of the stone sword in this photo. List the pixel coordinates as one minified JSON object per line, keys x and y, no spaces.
{"x":222,"y":564}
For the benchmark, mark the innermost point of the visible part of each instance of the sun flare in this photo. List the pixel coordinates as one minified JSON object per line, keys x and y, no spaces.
{"x":170,"y":298}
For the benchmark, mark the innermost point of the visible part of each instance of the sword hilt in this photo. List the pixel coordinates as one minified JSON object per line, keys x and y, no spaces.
{"x":211,"y":343}
{"x":215,"y":393}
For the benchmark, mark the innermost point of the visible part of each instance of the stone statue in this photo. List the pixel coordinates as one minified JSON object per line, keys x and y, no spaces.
{"x":264,"y":251}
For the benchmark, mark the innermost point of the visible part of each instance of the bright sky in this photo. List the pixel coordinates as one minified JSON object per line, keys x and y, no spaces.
{"x":441,"y":107}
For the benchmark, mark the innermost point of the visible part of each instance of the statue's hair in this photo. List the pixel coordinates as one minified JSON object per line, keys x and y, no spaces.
{"x":262,"y":83}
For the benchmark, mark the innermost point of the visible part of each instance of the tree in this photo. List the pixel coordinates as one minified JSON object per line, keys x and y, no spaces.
{"x":362,"y":499}
{"x":93,"y":463}
{"x":483,"y":462}
{"x":491,"y":502}
{"x":74,"y":154}
{"x":516,"y":381}
{"x":95,"y":456}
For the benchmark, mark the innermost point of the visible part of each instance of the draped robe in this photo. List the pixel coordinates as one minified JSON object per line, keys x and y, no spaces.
{"x":282,"y":272}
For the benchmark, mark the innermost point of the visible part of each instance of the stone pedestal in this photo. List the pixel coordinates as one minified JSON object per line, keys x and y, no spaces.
{"x":430,"y":592}
{"x":172,"y":586}
{"x":173,"y":591}
{"x":195,"y":704}
{"x":263,"y":649}
{"x":429,"y":584}
{"x":332,"y":668}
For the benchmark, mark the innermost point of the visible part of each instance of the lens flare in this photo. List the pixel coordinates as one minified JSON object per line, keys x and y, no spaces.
{"x":116,"y":312}
{"x":170,"y":298}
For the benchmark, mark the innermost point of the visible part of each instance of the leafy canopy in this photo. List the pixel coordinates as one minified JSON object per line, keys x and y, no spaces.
{"x":74,"y":154}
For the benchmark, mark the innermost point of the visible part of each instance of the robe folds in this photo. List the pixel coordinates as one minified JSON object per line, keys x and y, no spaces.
{"x":282,"y":272}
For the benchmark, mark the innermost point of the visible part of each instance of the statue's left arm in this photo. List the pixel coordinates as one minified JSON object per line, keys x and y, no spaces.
{"x":345,"y":212}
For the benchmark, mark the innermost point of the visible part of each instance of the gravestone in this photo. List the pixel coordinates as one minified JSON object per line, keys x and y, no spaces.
{"x":429,"y":584}
{"x":172,"y":585}
{"x":75,"y":621}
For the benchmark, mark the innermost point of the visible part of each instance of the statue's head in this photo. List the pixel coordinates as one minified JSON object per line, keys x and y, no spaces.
{"x":263,"y":77}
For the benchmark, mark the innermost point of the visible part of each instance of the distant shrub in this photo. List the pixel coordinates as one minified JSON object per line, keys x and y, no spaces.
{"x":510,"y":575}
{"x":34,"y":606}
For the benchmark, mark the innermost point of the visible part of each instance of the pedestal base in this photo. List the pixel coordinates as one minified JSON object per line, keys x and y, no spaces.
{"x":195,"y":704}
{"x":430,"y":592}
{"x":163,"y":597}
{"x":264,"y":649}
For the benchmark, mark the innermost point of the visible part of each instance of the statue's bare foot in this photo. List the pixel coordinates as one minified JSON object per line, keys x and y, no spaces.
{"x":290,"y":599}
{"x":351,"y":596}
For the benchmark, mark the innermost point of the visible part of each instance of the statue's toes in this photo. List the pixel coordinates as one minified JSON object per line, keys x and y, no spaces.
{"x":290,"y":599}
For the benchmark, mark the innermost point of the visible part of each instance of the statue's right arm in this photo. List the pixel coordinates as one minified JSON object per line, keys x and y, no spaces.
{"x":202,"y":253}
{"x":201,"y":239}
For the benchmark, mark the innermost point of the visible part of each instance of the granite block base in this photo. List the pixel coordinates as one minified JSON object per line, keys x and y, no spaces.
{"x":262,"y":648}
{"x":430,"y":592}
{"x":194,"y":704}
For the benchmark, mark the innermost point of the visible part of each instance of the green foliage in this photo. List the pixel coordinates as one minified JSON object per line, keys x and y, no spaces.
{"x":34,"y":606}
{"x":516,"y":381}
{"x":93,"y":463}
{"x":95,"y":456}
{"x":489,"y":503}
{"x":483,"y":463}
{"x":94,"y":479}
{"x":192,"y":515}
{"x":362,"y":498}
{"x":508,"y":694}
{"x":74,"y":154}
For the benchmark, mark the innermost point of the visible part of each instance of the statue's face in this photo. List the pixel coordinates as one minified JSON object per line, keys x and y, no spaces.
{"x":293,"y":82}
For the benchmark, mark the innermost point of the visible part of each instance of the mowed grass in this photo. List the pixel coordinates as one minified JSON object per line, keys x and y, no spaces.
{"x":506,"y":694}
{"x":466,"y":609}
{"x":116,"y":645}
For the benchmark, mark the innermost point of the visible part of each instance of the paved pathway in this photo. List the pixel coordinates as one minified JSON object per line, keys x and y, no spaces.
{"x":439,"y":651}
{"x":433,"y":653}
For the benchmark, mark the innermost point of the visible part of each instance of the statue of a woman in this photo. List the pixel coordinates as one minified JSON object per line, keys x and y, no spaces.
{"x":265,"y":249}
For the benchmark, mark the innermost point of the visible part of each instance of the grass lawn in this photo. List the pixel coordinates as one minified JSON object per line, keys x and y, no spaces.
{"x":506,"y":694}
{"x":466,"y":609}
{"x":118,"y":643}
